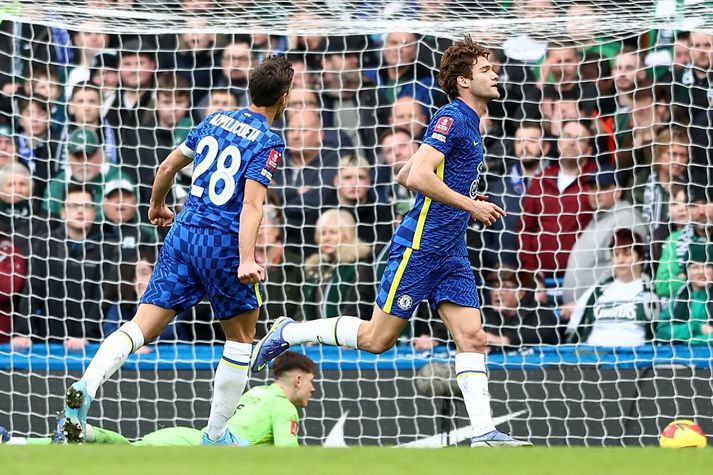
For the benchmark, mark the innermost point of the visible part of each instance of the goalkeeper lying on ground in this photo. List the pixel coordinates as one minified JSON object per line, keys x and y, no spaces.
{"x":265,"y":414}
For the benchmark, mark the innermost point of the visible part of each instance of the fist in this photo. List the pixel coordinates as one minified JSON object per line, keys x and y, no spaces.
{"x":161,"y":216}
{"x":250,"y":273}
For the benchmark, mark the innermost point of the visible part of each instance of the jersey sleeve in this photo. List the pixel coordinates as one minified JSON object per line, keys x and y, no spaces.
{"x":285,"y":424}
{"x":188,"y":147}
{"x":264,"y":164}
{"x":444,"y":131}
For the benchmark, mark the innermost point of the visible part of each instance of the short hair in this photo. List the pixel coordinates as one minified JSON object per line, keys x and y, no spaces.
{"x":270,"y":80}
{"x":40,"y":101}
{"x":587,"y":124}
{"x":625,"y":237}
{"x":458,"y":61}
{"x":291,"y":361}
{"x":80,"y":188}
{"x":683,"y":36}
{"x":531,"y":124}
{"x":16,"y":168}
{"x":393,"y":131}
{"x":86,"y":86}
{"x":37,"y":69}
{"x":222,"y":90}
{"x":677,"y":188}
{"x":356,"y":161}
{"x":172,"y":84}
{"x":671,"y":136}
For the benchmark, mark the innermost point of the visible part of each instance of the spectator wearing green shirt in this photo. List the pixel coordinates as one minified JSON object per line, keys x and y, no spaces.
{"x":266,"y":415}
{"x":689,"y":316}
{"x":87,"y":167}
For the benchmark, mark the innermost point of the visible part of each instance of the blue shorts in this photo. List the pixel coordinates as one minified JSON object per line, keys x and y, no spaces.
{"x":411,"y":276}
{"x":195,"y":262}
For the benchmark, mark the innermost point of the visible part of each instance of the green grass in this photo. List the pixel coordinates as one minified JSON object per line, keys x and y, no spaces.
{"x":110,"y":460}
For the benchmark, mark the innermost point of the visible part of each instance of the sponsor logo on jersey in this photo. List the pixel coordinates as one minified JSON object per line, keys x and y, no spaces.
{"x":273,"y":160}
{"x":294,"y":427}
{"x":404,"y":302}
{"x":443,"y":125}
{"x":437,"y":136}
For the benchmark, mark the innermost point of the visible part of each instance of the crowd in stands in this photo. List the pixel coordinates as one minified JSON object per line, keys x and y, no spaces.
{"x":602,"y":161}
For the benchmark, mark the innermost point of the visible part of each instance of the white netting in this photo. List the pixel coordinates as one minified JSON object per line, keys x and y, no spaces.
{"x":124,"y":82}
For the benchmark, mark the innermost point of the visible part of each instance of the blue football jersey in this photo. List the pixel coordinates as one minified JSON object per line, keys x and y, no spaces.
{"x":227,"y":149}
{"x":431,"y":226}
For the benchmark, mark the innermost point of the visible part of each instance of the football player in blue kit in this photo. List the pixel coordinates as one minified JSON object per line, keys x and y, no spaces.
{"x":428,"y":257}
{"x":210,"y":250}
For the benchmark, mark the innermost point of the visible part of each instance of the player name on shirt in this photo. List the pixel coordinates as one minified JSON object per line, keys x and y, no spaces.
{"x":236,"y":127}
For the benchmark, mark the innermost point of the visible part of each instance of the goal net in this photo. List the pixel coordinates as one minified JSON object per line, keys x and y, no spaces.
{"x":595,"y":288}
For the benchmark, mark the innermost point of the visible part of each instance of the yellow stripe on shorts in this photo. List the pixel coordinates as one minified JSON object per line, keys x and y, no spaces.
{"x":397,"y":280}
{"x":257,"y":294}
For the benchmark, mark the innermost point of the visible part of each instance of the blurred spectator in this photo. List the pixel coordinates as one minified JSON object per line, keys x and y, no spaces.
{"x":681,"y":57}
{"x":692,"y":84}
{"x":353,"y":192}
{"x":307,"y":173}
{"x":407,"y":113}
{"x":8,"y":148}
{"x":500,"y":243}
{"x":15,"y":195}
{"x":220,"y":100}
{"x":595,"y":75}
{"x":87,"y":44}
{"x":396,"y":146}
{"x":514,"y":318}
{"x":629,"y":75}
{"x":563,"y":108}
{"x":331,"y":272}
{"x":134,"y":98}
{"x":650,"y":191}
{"x":555,"y":208}
{"x":620,"y":308}
{"x":590,"y":259}
{"x":122,"y":221}
{"x":196,"y":58}
{"x":670,"y":274}
{"x":69,"y":273}
{"x":283,"y":267}
{"x":558,"y":74}
{"x":688,"y":317}
{"x":303,"y":78}
{"x":104,"y":73}
{"x":87,"y":167}
{"x":401,"y":75}
{"x":43,"y":82}
{"x":235,"y":63}
{"x":137,"y":274}
{"x":350,"y":101}
{"x":38,"y":149}
{"x":307,"y":99}
{"x":84,"y":108}
{"x":13,"y":272}
{"x":678,"y":218}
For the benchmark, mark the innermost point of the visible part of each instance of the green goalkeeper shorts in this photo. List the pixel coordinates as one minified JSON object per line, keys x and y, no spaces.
{"x":172,"y":437}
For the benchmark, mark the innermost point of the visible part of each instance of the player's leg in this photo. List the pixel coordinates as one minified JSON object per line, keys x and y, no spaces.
{"x":403,"y":283}
{"x":231,"y":376}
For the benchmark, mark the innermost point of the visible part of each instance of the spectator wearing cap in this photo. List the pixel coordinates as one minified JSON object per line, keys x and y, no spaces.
{"x":121,"y":219}
{"x":350,"y":101}
{"x":555,"y":208}
{"x":87,"y":167}
{"x":85,"y":106}
{"x":38,"y":149}
{"x":619,"y":309}
{"x":692,"y":85}
{"x":651,"y":188}
{"x":688,"y":317}
{"x":134,"y":99}
{"x":69,"y":273}
{"x":670,"y":274}
{"x":104,"y":73}
{"x":499,"y":241}
{"x":590,"y":258}
{"x":160,"y":133}
{"x":514,"y":318}
{"x":8,"y":147}
{"x":235,"y":64}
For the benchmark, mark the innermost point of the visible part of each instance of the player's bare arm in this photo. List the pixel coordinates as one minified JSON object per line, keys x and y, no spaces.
{"x":159,"y":214}
{"x":249,"y":272}
{"x":421,"y":177}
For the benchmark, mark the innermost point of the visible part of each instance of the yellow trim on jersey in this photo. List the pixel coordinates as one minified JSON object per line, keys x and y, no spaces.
{"x":397,"y":279}
{"x":424,"y":211}
{"x":257,"y":293}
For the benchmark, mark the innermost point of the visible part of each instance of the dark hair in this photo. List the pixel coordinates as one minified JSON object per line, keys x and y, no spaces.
{"x":458,"y":61}
{"x":270,"y":80}
{"x":587,"y":124}
{"x":393,"y":131}
{"x":531,"y":124}
{"x":289,"y":361}
{"x":86,"y":86}
{"x":173,"y":85}
{"x":625,"y":237}
{"x":683,"y":36}
{"x":40,"y":101}
{"x":80,"y":188}
{"x":223,"y":90}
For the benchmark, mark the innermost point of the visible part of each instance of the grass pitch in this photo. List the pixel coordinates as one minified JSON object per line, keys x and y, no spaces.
{"x":123,"y":460}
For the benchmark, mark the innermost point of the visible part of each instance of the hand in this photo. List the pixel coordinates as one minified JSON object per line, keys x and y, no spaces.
{"x":706,"y":329}
{"x":250,"y":272}
{"x":486,"y":212}
{"x":424,"y":343}
{"x":497,"y":340}
{"x":75,"y":344}
{"x":566,"y":311}
{"x":143,"y":350}
{"x":161,"y":216}
{"x":20,"y":342}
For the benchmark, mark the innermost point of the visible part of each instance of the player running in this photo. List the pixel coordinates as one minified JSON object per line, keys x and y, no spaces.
{"x":266,"y":415}
{"x":428,"y":256}
{"x":210,"y":250}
